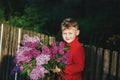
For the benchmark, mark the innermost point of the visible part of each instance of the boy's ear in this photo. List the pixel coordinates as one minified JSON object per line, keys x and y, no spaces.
{"x":78,"y":32}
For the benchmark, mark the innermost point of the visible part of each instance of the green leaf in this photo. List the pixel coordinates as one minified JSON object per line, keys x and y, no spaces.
{"x":23,"y":72}
{"x":53,"y":66}
{"x":61,"y":65}
{"x":46,"y":66}
{"x":66,"y":48}
{"x":31,"y":68}
{"x":58,"y":55}
{"x":28,"y":72}
{"x":23,"y":64}
{"x":52,"y":63}
{"x":39,"y":47}
{"x":33,"y":62}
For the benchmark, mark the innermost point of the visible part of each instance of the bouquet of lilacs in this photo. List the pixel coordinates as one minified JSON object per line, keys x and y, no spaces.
{"x":36,"y":60}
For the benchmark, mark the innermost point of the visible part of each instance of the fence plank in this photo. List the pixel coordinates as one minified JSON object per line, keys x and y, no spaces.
{"x":92,"y":62}
{"x":1,"y":34}
{"x":42,"y":36}
{"x":106,"y":64}
{"x":51,"y":40}
{"x":0,"y":40}
{"x":99,"y":64}
{"x":86,"y":72}
{"x":46,"y":40}
{"x":5,"y":50}
{"x":118,"y":69}
{"x":114,"y":65}
{"x":8,"y":52}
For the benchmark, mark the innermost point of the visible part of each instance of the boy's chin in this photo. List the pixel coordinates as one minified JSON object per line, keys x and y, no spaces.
{"x":69,"y":41}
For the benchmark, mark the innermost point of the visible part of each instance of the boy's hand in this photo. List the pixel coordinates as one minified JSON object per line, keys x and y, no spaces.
{"x":56,"y":70}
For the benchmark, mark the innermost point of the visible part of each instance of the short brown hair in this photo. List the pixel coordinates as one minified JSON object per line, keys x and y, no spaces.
{"x":69,"y":22}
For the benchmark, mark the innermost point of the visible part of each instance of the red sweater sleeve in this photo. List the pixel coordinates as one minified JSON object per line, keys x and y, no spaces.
{"x":77,"y":59}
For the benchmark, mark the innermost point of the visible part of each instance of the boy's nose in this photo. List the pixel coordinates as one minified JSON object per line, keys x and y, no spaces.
{"x":67,"y":36}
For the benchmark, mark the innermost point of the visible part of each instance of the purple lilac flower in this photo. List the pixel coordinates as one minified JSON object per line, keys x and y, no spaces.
{"x":61,"y":48}
{"x":22,"y":49}
{"x":64,"y":58}
{"x":21,"y":67}
{"x":34,"y":52}
{"x":66,"y":55}
{"x":23,"y":57}
{"x":54,"y":49}
{"x":30,"y":41}
{"x":31,"y":44}
{"x":38,"y":72}
{"x":46,"y":50}
{"x":23,"y":54}
{"x":61,"y":51}
{"x":15,"y":69}
{"x":61,"y":44}
{"x":42,"y":59}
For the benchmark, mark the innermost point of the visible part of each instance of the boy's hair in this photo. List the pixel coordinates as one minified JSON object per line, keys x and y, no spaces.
{"x":69,"y":22}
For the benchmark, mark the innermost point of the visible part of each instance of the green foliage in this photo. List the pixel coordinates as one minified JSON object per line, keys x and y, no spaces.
{"x":66,"y":48}
{"x":28,"y":67}
{"x":51,"y":64}
{"x":2,"y":20}
{"x":57,"y":55}
{"x":31,"y":20}
{"x":61,"y":65}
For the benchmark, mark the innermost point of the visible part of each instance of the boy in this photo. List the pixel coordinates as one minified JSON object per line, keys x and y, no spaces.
{"x":70,"y":32}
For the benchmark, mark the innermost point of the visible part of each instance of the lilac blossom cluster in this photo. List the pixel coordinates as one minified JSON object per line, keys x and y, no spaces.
{"x":30,"y":41}
{"x":35,"y":58}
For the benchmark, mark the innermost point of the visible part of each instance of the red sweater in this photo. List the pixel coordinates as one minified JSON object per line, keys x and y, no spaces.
{"x":73,"y":71}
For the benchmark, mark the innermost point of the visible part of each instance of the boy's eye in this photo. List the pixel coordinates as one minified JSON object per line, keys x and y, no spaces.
{"x":64,"y":33}
{"x":70,"y":33}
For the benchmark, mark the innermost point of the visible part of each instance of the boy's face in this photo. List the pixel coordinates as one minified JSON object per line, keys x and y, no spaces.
{"x":69,"y":34}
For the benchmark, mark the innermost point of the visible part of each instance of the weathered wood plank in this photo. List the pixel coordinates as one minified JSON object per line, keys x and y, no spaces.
{"x":114,"y":65}
{"x":99,"y":64}
{"x":118,"y":67}
{"x":4,"y":52}
{"x":86,"y":73}
{"x":106,"y":64}
{"x":93,"y":62}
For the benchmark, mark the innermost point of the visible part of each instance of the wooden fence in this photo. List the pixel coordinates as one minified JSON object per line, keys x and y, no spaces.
{"x":100,"y":64}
